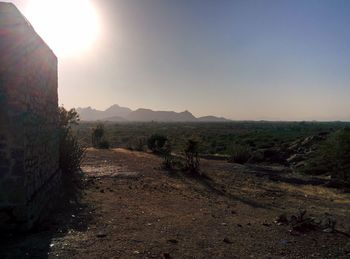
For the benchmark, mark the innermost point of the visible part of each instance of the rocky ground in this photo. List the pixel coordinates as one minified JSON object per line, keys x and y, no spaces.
{"x":130,"y":208}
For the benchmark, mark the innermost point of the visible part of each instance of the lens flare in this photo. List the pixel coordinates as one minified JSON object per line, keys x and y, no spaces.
{"x":68,"y":27}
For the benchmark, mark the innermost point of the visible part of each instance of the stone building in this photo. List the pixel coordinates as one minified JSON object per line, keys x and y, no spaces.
{"x":29,"y":174}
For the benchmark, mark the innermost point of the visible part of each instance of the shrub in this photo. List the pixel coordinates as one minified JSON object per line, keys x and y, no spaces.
{"x":333,"y":157}
{"x":97,"y":134}
{"x":191,"y":156}
{"x":156,"y":143}
{"x":239,"y":154}
{"x":97,"y":137}
{"x":71,"y":152}
{"x":67,"y":118}
{"x":140,"y":144}
{"x":167,"y":156}
{"x":104,"y":144}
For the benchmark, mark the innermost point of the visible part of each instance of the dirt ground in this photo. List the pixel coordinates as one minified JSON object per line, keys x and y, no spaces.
{"x":130,"y":208}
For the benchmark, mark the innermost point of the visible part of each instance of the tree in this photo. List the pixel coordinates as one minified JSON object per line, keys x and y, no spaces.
{"x":166,"y":152}
{"x":97,"y":135}
{"x":156,"y":143}
{"x":67,"y":118}
{"x":191,"y":156}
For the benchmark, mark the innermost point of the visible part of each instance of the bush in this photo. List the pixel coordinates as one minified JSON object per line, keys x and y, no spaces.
{"x":239,"y":154}
{"x":104,"y":144}
{"x":332,"y":157}
{"x":71,"y":152}
{"x":191,"y":156}
{"x":97,"y":137}
{"x":156,"y":143}
{"x":140,"y":144}
{"x":167,"y":156}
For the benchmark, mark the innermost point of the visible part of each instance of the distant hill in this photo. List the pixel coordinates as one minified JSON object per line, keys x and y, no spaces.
{"x":90,"y":114}
{"x":116,"y":110}
{"x":149,"y":115}
{"x":116,"y":113}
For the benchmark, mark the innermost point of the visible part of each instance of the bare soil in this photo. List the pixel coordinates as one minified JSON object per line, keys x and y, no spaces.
{"x":130,"y":208}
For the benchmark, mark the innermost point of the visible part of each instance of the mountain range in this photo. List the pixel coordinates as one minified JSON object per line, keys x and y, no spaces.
{"x":116,"y":113}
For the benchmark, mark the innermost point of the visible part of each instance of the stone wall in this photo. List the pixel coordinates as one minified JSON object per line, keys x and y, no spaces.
{"x":29,"y":174}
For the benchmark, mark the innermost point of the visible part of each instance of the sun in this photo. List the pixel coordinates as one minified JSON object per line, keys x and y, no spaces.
{"x":69,"y":27}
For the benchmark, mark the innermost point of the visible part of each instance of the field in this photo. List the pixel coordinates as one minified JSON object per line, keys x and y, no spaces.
{"x":214,"y":138}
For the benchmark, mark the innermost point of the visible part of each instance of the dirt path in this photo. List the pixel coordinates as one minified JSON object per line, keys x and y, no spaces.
{"x":132,"y":209}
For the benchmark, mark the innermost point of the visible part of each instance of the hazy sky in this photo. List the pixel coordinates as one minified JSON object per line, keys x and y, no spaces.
{"x":262,"y":59}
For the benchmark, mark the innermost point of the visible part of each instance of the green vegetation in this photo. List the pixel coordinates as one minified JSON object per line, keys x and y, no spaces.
{"x":215,"y":138}
{"x":239,"y":154}
{"x":156,"y":143}
{"x":160,"y":145}
{"x":191,"y":156}
{"x":311,"y":147}
{"x":167,"y":156}
{"x":332,"y":157}
{"x":97,"y":137}
{"x":71,"y":151}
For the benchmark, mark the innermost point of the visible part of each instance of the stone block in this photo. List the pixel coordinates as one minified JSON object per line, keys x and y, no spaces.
{"x":28,"y":119}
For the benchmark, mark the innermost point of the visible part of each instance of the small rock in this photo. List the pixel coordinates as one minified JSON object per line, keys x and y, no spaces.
{"x":227,"y":240}
{"x":166,"y":256}
{"x":101,"y":234}
{"x":281,"y":219}
{"x":102,"y":191}
{"x":328,"y":230}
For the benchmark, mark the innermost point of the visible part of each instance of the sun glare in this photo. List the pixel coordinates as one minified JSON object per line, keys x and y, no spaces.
{"x":68,"y":27}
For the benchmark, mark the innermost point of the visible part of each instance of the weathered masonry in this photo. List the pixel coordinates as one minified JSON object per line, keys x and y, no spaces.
{"x":29,"y":175}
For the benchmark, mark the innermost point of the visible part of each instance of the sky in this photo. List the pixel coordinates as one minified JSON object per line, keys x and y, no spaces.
{"x":241,"y":59}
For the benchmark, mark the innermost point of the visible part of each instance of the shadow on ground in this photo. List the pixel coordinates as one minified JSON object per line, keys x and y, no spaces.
{"x":213,"y":188}
{"x":277,"y":175}
{"x":69,"y":214}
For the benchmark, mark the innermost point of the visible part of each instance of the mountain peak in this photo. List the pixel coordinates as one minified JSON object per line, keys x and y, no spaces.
{"x":118,"y":113}
{"x":114,"y":106}
{"x":186,"y":112}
